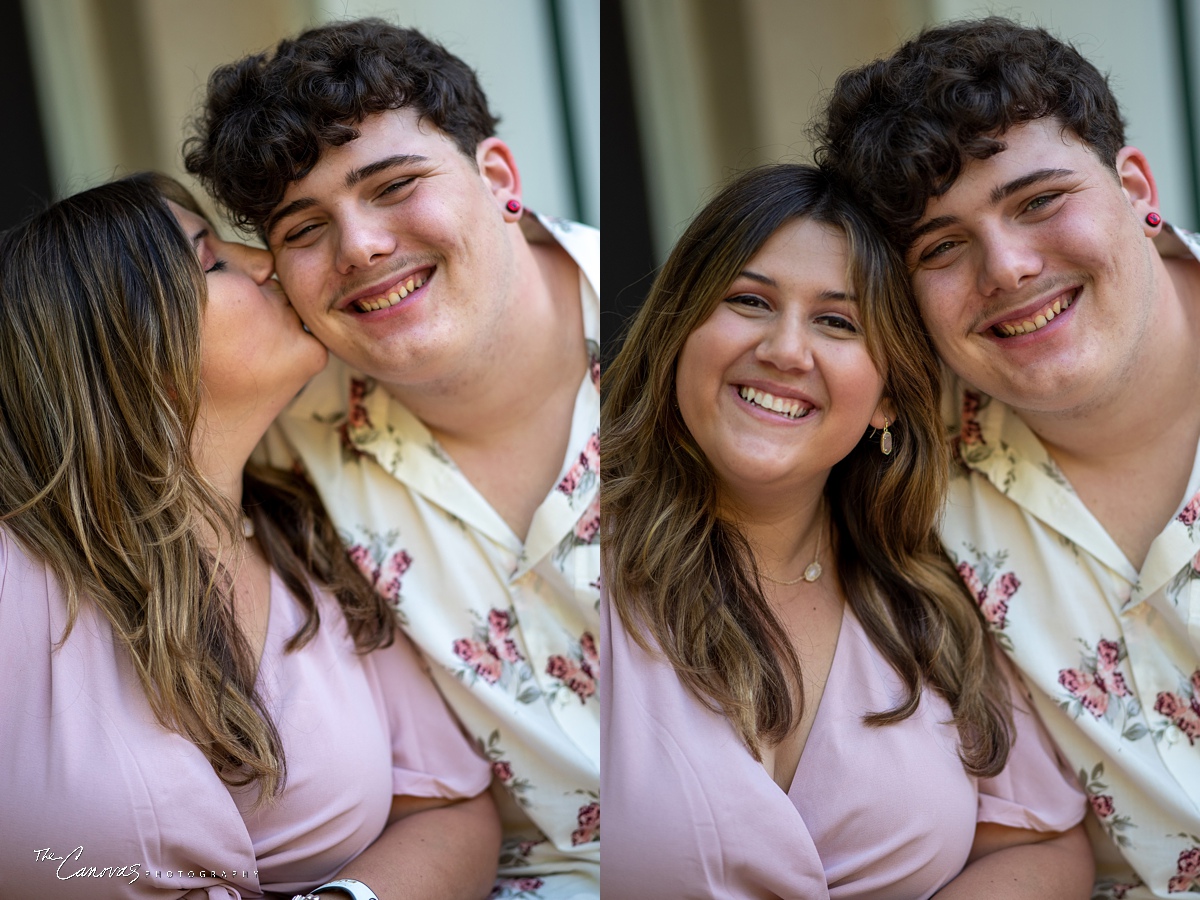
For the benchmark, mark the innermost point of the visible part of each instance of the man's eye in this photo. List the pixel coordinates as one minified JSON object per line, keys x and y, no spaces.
{"x":1039,"y":202}
{"x":296,"y":235}
{"x":396,"y":185}
{"x":937,"y":250}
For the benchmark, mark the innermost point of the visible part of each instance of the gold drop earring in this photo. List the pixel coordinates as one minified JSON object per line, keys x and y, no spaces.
{"x":885,"y":439}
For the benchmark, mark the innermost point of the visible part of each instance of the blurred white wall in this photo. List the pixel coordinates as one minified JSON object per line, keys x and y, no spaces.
{"x":721,"y":85}
{"x":117,"y":79}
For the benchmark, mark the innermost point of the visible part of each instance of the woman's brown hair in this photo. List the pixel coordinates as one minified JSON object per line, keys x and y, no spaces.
{"x":101,"y":298}
{"x":684,"y":580}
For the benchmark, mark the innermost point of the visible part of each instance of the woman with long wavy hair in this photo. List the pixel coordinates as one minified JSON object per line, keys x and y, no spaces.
{"x":799,"y":698}
{"x":202,"y":696}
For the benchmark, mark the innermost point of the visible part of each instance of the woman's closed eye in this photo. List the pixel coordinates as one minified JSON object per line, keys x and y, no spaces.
{"x":218,"y":265}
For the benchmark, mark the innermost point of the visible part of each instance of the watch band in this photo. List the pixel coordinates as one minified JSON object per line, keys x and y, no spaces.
{"x":356,"y":889}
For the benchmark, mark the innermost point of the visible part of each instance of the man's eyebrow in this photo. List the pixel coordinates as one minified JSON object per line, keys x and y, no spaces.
{"x":1006,"y":190}
{"x":999,"y":194}
{"x":283,"y":212}
{"x":932,"y":225}
{"x":353,"y":177}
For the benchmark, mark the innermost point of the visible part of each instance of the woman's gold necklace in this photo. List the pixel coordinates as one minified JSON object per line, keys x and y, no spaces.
{"x":811,"y":573}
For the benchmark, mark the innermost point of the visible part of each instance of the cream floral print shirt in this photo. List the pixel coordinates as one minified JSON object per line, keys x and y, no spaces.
{"x":509,"y":628}
{"x":1112,"y":655}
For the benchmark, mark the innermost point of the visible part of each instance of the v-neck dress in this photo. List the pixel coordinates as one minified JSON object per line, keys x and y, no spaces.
{"x":98,"y":800}
{"x":872,"y":812}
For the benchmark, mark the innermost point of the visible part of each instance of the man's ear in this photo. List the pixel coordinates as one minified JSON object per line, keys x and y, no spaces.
{"x":498,"y":170}
{"x":1137,"y":181}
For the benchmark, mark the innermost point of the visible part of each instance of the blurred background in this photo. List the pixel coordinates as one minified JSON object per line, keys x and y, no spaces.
{"x":93,"y":89}
{"x":696,"y":90}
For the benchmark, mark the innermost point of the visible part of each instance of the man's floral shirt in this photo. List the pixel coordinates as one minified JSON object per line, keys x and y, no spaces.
{"x":1112,"y":655}
{"x":509,"y":628}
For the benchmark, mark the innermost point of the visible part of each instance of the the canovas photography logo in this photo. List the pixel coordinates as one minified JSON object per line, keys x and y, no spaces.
{"x":71,"y":866}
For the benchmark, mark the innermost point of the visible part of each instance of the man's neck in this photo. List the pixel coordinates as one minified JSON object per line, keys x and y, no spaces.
{"x":505,"y":419}
{"x":1130,"y":455}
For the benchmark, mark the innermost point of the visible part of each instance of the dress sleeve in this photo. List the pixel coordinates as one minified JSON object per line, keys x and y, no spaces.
{"x":1036,"y":789}
{"x":430,"y":755}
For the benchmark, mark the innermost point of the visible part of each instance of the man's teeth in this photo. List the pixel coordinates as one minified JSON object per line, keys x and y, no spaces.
{"x":1040,"y":320}
{"x":393,"y":298}
{"x":793,"y":409}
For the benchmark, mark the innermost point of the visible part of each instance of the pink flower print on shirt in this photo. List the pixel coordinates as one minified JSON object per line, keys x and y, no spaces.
{"x":1099,"y":686}
{"x":1176,"y":589}
{"x":358,"y":417}
{"x":384,"y":577}
{"x":500,"y":643}
{"x":1108,"y":657}
{"x":971,"y":433}
{"x":516,"y":889}
{"x":578,"y":670}
{"x":1190,"y":513}
{"x":1183,"y":713}
{"x":1105,"y":806}
{"x":480,"y":658}
{"x":356,"y":426}
{"x":991,"y":588}
{"x":1180,"y":709}
{"x":515,"y":853}
{"x":584,"y":471}
{"x":382,"y":564}
{"x":1087,"y":688}
{"x":589,"y":825}
{"x":588,"y":525}
{"x":1187,"y":869}
{"x":585,"y":532}
{"x":968,"y":445}
{"x":493,"y":654}
{"x":1102,"y":805}
{"x":502,"y":769}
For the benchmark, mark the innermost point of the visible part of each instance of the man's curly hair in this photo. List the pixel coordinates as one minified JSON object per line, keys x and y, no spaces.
{"x":268,"y":117}
{"x":898,"y":131}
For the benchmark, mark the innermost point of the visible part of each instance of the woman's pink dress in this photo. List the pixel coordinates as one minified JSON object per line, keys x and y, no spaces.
{"x":883,"y":812}
{"x":97,"y":800}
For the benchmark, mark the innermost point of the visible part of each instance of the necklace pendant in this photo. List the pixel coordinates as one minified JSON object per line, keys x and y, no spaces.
{"x":813,"y":572}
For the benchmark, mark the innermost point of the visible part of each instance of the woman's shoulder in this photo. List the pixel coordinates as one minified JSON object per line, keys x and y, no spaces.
{"x":26,"y":578}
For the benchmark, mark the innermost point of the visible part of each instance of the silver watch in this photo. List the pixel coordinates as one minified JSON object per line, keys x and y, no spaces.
{"x":356,"y":889}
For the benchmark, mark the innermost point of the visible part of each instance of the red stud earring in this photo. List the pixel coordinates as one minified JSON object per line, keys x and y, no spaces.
{"x":1153,"y":219}
{"x":513,"y":206}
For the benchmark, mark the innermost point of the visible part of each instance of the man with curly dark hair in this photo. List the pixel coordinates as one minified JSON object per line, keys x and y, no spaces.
{"x":993,"y":156}
{"x":455,"y":438}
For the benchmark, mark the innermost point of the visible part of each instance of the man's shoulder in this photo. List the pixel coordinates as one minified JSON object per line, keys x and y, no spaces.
{"x":581,"y":242}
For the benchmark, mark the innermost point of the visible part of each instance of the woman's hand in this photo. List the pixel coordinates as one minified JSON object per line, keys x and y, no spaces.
{"x":433,"y":849}
{"x":1018,"y":864}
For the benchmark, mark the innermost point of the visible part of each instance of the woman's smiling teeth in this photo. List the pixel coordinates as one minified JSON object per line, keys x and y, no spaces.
{"x":394,"y":297}
{"x":1036,"y":321}
{"x":793,"y":409}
